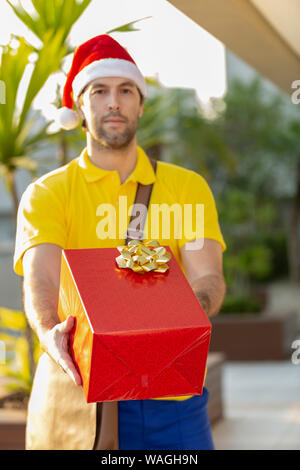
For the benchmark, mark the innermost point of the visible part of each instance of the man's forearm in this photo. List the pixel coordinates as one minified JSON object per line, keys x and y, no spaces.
{"x":210,"y":291}
{"x":40,"y":303}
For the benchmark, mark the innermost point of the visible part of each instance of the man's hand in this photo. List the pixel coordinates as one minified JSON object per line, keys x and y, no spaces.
{"x":41,"y":265}
{"x":56,"y":343}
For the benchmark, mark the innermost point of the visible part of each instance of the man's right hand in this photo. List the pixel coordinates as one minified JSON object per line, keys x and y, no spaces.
{"x":56,"y":343}
{"x":41,"y":265}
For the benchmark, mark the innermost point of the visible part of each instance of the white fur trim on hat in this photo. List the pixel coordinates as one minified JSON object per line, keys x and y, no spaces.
{"x":108,"y":68}
{"x":67,"y":118}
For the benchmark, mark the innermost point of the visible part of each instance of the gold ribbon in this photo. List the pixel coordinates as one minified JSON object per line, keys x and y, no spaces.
{"x":143,"y":257}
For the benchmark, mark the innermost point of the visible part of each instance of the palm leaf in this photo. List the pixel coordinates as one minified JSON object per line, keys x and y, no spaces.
{"x":25,"y":163}
{"x":48,"y":61}
{"x":31,"y":21}
{"x":40,"y":136}
{"x":128,"y":27}
{"x":71,"y":10}
{"x":13,"y":65}
{"x":50,"y":16}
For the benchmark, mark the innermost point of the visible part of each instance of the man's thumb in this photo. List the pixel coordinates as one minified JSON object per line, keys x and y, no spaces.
{"x":67,"y":325}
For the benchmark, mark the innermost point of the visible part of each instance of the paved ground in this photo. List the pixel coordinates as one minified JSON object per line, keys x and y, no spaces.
{"x":262,"y":407}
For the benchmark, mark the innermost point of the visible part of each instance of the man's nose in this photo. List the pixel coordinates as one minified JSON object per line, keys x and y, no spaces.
{"x":113,"y":103}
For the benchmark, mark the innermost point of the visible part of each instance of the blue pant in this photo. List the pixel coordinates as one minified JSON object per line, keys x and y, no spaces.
{"x":165,"y":424}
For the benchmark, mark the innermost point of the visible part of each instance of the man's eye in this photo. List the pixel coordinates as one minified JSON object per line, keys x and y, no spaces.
{"x":126,"y":90}
{"x":100,"y":92}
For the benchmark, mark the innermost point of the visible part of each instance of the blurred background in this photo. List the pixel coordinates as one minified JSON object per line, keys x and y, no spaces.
{"x":224,"y":100}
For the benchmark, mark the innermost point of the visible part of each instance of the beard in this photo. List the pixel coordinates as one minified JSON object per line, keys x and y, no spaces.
{"x":114,"y":138}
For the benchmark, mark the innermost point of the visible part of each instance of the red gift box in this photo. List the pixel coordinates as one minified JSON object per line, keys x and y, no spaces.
{"x":136,"y":336}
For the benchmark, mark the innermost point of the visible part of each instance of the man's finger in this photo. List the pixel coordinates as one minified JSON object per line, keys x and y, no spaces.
{"x":67,"y":365}
{"x":66,"y":325}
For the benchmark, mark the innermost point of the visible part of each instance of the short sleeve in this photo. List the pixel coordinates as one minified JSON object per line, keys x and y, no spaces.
{"x":200,"y":214}
{"x":41,"y":219}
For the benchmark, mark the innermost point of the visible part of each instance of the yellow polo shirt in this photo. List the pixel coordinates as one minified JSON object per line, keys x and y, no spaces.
{"x":80,"y":205}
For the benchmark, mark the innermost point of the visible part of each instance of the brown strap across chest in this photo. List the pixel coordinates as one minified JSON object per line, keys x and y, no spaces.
{"x":107,"y":412}
{"x":141,"y":204}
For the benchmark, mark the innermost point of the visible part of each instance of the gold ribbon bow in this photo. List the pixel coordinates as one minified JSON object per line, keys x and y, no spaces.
{"x":143,"y":257}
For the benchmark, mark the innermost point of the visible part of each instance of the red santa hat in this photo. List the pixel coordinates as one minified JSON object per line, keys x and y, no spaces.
{"x":98,"y":57}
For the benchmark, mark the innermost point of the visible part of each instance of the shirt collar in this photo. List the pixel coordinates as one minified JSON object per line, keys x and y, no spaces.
{"x":143,"y":172}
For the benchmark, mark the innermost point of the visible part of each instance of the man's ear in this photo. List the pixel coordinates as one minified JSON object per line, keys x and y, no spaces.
{"x":141,"y":112}
{"x":81,"y":113}
{"x":79,"y":105}
{"x":79,"y":109}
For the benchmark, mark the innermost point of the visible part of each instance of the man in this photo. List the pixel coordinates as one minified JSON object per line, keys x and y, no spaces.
{"x":62,"y":209}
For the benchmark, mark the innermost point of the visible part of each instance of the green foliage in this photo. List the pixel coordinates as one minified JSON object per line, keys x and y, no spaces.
{"x":21,"y":129}
{"x":255,"y":126}
{"x":158,"y":109}
{"x":246,"y":149}
{"x":51,"y":17}
{"x":128,"y":27}
{"x":48,"y":61}
{"x":240,"y":304}
{"x":13,"y":64}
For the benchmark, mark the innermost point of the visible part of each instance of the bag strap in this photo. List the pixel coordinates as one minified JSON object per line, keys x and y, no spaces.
{"x":141,"y":203}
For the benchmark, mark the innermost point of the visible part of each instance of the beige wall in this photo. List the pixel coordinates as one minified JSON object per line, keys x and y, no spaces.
{"x":284,"y":17}
{"x":244,"y":29}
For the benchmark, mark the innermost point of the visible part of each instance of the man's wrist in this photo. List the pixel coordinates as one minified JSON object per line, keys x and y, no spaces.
{"x":203,"y":300}
{"x":43,"y":330}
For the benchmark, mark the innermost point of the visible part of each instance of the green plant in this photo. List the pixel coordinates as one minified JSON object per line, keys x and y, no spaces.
{"x":246,"y":150}
{"x":240,"y":304}
{"x":262,"y":130}
{"x":21,"y":129}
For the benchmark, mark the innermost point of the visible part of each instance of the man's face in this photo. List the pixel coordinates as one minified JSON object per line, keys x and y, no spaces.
{"x":111,"y":108}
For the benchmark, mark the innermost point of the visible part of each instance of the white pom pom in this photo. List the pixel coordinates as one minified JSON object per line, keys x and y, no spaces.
{"x":67,"y":118}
